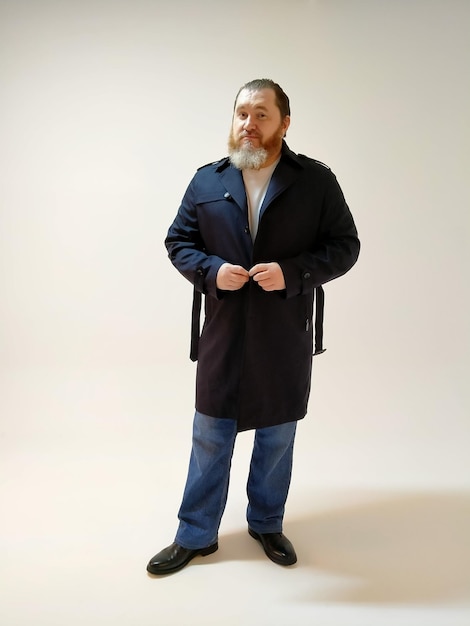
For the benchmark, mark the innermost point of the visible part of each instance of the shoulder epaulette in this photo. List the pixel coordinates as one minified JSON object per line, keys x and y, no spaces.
{"x":304,"y":156}
{"x":219,"y":163}
{"x":321,"y":163}
{"x":207,"y":165}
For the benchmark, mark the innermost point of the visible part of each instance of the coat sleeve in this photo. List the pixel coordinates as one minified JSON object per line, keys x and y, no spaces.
{"x":336,"y":248}
{"x":186,"y":248}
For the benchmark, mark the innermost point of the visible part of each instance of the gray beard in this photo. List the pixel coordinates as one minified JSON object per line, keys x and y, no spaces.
{"x":248,"y":159}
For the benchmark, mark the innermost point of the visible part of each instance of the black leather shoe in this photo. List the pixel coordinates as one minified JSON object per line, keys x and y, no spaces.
{"x":276,"y":546}
{"x":175,"y":557}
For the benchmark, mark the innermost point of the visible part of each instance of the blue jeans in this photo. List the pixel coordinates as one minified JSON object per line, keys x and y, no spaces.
{"x":206,"y":490}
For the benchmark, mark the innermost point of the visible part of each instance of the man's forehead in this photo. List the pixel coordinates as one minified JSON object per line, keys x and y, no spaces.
{"x":256,"y":98}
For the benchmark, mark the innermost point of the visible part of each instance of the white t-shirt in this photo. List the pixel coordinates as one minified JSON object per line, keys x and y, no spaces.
{"x":256,"y":185}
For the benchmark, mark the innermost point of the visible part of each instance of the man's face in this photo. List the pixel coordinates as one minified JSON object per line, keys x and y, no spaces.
{"x":257,"y":128}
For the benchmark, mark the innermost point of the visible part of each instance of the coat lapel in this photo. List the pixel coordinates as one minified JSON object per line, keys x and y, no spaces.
{"x":284,"y":175}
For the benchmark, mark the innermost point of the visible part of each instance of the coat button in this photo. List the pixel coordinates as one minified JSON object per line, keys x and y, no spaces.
{"x":307,"y":275}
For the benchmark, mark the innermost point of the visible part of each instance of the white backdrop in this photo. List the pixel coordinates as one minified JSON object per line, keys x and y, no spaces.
{"x":108,"y":107}
{"x":107,"y":110}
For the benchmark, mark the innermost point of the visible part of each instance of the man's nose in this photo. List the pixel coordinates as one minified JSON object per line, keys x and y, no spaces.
{"x":249,"y":123}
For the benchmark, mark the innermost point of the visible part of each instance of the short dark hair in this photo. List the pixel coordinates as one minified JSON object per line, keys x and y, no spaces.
{"x":282,"y":100}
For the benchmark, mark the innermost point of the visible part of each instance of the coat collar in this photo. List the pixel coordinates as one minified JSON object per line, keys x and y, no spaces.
{"x":284,"y":175}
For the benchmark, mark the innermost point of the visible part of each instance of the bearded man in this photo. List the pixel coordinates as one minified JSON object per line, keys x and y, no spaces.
{"x":258,"y":233}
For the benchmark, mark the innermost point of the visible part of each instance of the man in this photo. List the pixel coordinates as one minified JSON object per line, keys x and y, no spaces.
{"x":257,"y":233}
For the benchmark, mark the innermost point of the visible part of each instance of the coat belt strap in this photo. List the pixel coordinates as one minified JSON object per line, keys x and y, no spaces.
{"x":319,"y":312}
{"x":195,"y":325}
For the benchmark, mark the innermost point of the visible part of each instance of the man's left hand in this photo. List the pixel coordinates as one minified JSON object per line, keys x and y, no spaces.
{"x":269,"y":276}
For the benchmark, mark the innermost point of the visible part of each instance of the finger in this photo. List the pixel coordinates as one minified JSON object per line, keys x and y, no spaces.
{"x":266,"y":285}
{"x":239,"y":278}
{"x":239,"y":271}
{"x":261,"y":276}
{"x":256,"y":269}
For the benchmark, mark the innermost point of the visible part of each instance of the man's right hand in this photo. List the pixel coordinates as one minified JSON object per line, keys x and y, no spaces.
{"x":231,"y":277}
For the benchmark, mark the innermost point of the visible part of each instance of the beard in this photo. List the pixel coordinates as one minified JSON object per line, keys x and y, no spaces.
{"x":245,"y":156}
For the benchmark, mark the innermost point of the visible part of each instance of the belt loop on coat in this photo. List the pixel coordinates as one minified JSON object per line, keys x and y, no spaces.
{"x":319,"y":312}
{"x":195,"y":324}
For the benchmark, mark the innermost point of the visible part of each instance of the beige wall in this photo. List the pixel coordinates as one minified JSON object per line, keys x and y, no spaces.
{"x":107,"y":109}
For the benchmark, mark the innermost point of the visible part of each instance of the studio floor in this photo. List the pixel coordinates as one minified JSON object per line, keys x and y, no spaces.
{"x":91,"y":478}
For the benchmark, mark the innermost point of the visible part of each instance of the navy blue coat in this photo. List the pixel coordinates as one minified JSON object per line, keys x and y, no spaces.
{"x":255,"y":350}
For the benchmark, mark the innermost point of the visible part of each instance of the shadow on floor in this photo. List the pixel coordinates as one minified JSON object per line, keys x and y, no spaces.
{"x":410,"y":548}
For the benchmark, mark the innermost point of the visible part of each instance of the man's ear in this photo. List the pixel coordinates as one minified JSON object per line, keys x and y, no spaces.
{"x":285,"y":124}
